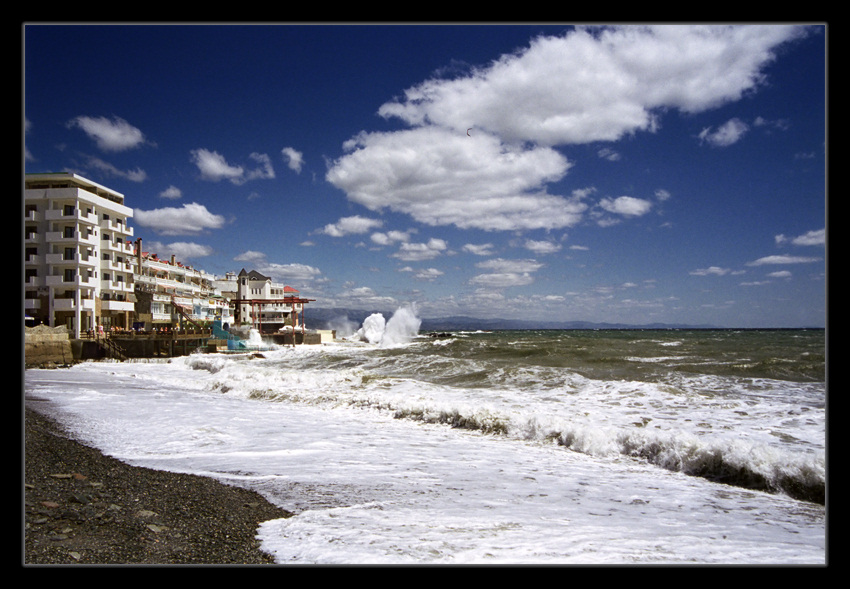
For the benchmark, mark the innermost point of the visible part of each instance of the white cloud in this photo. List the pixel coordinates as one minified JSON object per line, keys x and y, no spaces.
{"x":214,"y":167}
{"x":265,"y":171}
{"x":591,"y":84}
{"x":783,"y":260}
{"x":626,"y":205}
{"x":189,"y":219}
{"x":390,"y":237}
{"x":542,"y":247}
{"x":137,"y":175}
{"x":728,"y":133}
{"x":286,"y":273}
{"x":428,"y":274}
{"x":171,"y":193}
{"x":293,"y":158}
{"x":484,"y":249}
{"x":817,"y":237}
{"x":416,"y":252}
{"x":443,"y":178}
{"x":598,"y":84}
{"x":780,"y":274}
{"x":181,"y":250}
{"x":250,"y":256}
{"x":506,"y":273}
{"x":348,"y":225}
{"x":110,"y":135}
{"x":710,"y":271}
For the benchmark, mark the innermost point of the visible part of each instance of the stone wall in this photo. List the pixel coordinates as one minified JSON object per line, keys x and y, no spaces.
{"x":47,"y":346}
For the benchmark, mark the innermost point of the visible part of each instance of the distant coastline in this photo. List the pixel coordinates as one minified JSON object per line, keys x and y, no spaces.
{"x":324,"y":317}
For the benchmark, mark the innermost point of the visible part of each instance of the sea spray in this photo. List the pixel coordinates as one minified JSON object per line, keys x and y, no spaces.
{"x":400,"y":329}
{"x":373,"y":329}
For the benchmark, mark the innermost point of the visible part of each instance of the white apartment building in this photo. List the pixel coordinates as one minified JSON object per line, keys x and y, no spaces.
{"x":78,"y":255}
{"x":169,"y":292}
{"x":266,"y":306}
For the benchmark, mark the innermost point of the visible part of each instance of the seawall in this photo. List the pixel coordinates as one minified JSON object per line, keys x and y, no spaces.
{"x":45,"y":347}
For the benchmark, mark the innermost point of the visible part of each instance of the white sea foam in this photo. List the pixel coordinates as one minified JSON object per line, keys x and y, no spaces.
{"x":385,"y":458}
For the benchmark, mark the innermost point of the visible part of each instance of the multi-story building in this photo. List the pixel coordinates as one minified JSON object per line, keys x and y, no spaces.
{"x":266,"y":306}
{"x":78,"y":254}
{"x":169,"y":293}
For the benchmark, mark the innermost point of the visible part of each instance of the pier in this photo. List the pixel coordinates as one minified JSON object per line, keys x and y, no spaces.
{"x":122,"y":345}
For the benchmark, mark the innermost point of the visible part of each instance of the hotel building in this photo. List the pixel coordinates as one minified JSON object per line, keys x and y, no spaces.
{"x":78,"y":254}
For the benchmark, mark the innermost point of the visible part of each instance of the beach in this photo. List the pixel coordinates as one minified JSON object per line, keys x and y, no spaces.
{"x":515,"y":447}
{"x":82,"y":507}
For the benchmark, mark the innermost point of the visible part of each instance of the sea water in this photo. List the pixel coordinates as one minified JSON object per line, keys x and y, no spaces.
{"x":508,"y":447}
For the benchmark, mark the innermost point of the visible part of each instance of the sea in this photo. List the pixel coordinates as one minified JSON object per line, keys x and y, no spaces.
{"x":392,"y":446}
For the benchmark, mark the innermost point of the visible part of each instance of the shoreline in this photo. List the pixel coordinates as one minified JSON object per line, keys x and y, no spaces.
{"x":82,"y":507}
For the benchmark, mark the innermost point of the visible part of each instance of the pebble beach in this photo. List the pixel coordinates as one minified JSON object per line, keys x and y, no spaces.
{"x":84,"y":508}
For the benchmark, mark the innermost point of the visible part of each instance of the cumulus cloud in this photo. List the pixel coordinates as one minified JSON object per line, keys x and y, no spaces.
{"x":214,"y":167}
{"x":591,"y":84}
{"x":181,"y":250}
{"x":186,"y":220}
{"x":351,"y":225}
{"x":171,"y":193}
{"x":728,"y":133}
{"x":416,"y":252}
{"x":483,"y":249}
{"x":390,"y":237}
{"x":442,"y":178}
{"x":293,"y":158}
{"x":626,"y":205}
{"x":817,"y":237}
{"x":506,"y":273}
{"x":294,"y":273}
{"x":598,"y":84}
{"x":542,"y":247}
{"x":112,"y":135}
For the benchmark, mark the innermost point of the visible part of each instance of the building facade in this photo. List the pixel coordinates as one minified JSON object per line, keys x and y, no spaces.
{"x":78,"y":254}
{"x":266,"y":306}
{"x":170,"y":294}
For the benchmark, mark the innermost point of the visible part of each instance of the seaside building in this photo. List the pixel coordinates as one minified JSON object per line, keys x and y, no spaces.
{"x":84,"y":271}
{"x":78,"y":255}
{"x":266,"y":306}
{"x":170,"y":293}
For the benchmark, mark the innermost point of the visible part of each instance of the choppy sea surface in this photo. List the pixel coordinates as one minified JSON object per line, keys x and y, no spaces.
{"x":507,"y":447}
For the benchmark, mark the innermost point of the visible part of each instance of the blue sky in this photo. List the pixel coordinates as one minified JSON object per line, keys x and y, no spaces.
{"x":632,"y":174}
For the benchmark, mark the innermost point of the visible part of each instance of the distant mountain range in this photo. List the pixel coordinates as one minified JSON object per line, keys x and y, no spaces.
{"x":334,"y":318}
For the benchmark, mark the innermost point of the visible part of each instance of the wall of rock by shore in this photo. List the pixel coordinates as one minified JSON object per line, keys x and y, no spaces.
{"x":47,"y":346}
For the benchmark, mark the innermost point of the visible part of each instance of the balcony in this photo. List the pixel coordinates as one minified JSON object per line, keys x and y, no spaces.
{"x":75,"y":215}
{"x":77,"y":282}
{"x":76,"y":260}
{"x":59,"y":238}
{"x":71,"y":304}
{"x":111,"y":305}
{"x":115,"y":226}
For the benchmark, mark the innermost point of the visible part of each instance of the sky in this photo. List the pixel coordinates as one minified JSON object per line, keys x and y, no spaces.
{"x":627,"y":173}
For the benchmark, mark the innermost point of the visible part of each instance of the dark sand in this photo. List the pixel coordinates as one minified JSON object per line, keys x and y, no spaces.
{"x":82,"y":507}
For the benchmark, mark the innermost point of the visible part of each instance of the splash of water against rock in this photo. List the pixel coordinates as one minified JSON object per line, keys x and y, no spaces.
{"x":400,"y":329}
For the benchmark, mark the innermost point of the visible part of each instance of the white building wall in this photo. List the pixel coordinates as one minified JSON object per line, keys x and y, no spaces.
{"x":77,"y":262}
